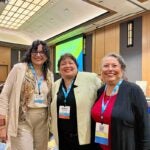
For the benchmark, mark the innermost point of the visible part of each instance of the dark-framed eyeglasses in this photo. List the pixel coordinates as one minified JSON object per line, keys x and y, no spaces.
{"x":41,"y":53}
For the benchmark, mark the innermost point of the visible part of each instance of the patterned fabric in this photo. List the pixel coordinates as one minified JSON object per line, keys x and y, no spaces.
{"x":27,"y":91}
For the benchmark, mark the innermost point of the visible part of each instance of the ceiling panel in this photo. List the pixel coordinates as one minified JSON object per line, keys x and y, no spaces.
{"x":61,"y":19}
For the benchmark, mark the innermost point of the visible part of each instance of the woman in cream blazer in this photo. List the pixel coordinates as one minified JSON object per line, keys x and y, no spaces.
{"x":73,"y":133}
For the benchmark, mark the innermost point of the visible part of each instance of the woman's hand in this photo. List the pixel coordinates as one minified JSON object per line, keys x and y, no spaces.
{"x":3,"y":130}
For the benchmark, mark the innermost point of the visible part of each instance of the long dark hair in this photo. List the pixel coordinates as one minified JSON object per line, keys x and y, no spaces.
{"x":27,"y":57}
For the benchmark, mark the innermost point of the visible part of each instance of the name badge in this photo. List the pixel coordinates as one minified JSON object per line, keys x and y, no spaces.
{"x":101,"y":133}
{"x":64,"y":112}
{"x":39,"y":99}
{"x":3,"y":146}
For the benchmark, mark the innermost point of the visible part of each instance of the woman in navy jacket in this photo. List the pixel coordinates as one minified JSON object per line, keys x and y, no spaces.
{"x":122,"y":107}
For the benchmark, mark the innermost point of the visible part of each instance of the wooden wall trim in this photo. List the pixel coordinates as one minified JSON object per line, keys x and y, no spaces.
{"x":146,"y":50}
{"x":105,"y":40}
{"x":5,"y":59}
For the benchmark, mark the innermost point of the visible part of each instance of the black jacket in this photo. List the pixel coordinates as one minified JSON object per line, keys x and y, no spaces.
{"x":130,"y":123}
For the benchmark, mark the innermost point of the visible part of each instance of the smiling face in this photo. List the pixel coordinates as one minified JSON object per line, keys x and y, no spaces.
{"x":38,"y":56}
{"x":111,"y":70}
{"x":68,"y":68}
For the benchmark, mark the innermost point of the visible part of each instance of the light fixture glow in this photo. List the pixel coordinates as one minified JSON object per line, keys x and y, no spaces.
{"x":43,"y":2}
{"x":25,"y":5}
{"x":31,"y":13}
{"x":25,"y":12}
{"x":36,"y":8}
{"x":36,"y":1}
{"x":18,"y":12}
{"x":5,"y":12}
{"x":10,"y":13}
{"x":9,"y":23}
{"x":2,"y":17}
{"x":4,"y":21}
{"x":16,"y":15}
{"x":7,"y":18}
{"x":14,"y":8}
{"x":21,"y":16}
{"x":12,"y":19}
{"x":31,"y":6}
{"x":17,"y":20}
{"x":19,"y":3}
{"x":8,"y":7}
{"x":26,"y":17}
{"x":12,"y":2}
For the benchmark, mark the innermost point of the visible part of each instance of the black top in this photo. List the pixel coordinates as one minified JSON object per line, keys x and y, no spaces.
{"x":67,"y":126}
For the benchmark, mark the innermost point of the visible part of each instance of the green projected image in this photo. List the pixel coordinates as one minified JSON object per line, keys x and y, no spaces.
{"x":75,"y":47}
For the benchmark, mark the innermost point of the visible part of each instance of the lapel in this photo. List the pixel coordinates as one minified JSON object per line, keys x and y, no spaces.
{"x":77,"y":88}
{"x":55,"y":88}
{"x":20,"y":75}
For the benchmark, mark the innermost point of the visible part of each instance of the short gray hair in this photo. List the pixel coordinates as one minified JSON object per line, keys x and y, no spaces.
{"x":119,"y":58}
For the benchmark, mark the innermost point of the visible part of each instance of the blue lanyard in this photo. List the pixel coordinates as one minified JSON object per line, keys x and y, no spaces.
{"x":115,"y":90}
{"x":66,"y":93}
{"x":39,"y":81}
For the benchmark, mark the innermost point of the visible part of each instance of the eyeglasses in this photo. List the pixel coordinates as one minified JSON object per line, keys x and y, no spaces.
{"x":41,"y":53}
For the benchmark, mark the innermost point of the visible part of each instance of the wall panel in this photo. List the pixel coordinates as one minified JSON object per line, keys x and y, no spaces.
{"x":146,"y":50}
{"x":3,"y":72}
{"x":112,"y":39}
{"x":105,"y":40}
{"x":5,"y":59}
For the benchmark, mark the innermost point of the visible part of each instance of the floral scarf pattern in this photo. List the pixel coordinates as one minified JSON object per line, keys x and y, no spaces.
{"x":28,"y":89}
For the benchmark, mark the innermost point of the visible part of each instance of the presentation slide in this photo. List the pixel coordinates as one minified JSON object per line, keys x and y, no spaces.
{"x":75,"y":47}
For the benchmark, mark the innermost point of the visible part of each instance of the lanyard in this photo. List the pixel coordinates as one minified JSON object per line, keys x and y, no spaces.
{"x":115,"y":90}
{"x":39,"y":81}
{"x":66,"y":93}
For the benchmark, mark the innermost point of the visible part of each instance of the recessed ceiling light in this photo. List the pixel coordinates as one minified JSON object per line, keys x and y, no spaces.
{"x":19,"y":10}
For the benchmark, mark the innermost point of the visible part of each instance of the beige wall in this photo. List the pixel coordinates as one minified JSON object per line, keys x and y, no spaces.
{"x":105,"y":40}
{"x":146,"y":50}
{"x":5,"y":60}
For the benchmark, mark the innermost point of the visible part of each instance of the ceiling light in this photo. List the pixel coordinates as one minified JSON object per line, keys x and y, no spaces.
{"x":25,"y":5}
{"x":5,"y":12}
{"x":21,"y":16}
{"x":8,"y":7}
{"x":31,"y":6}
{"x":43,"y":3}
{"x":2,"y":17}
{"x":7,"y":18}
{"x":31,"y":13}
{"x":19,"y":11}
{"x":12,"y":2}
{"x":14,"y":8}
{"x":37,"y":8}
{"x":10,"y":13}
{"x":36,"y":1}
{"x":16,"y":15}
{"x":18,"y":3}
{"x":12,"y":19}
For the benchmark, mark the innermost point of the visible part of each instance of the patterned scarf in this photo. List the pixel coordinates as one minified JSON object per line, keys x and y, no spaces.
{"x":28,"y":89}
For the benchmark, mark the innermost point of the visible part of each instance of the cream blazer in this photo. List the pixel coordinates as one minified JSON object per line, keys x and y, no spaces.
{"x":85,"y":95}
{"x":10,"y":97}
